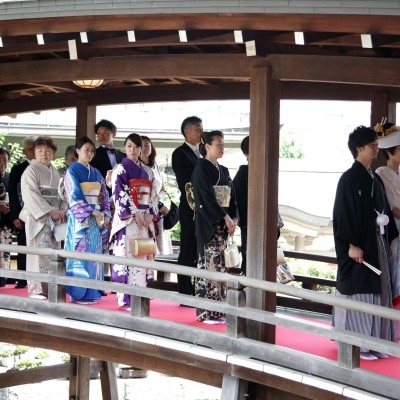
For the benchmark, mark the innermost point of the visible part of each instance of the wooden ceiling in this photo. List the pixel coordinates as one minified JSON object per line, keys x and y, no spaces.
{"x":158,"y":66}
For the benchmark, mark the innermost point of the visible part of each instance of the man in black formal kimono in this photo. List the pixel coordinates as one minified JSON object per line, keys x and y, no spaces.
{"x":360,"y":196}
{"x":184,"y":159}
{"x":14,"y":192}
{"x":107,"y":156}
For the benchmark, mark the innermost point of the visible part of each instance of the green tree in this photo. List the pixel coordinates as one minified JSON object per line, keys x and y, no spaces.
{"x":289,"y":149}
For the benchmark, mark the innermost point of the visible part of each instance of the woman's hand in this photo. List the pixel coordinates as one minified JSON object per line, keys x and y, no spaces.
{"x":356,"y":253}
{"x":163,"y":210}
{"x":139,"y":219}
{"x":56,"y":215}
{"x":148,"y":219}
{"x":4,"y":208}
{"x":230,"y":225}
{"x":396,"y":212}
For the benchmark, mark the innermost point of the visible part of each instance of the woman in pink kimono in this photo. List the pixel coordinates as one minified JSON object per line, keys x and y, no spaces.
{"x":135,"y":210}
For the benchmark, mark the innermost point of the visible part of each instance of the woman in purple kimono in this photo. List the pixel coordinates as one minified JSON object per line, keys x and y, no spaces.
{"x":135,"y":210}
{"x":88,"y":216}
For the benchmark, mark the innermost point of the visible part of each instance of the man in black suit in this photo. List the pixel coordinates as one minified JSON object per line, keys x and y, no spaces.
{"x":14,"y":192}
{"x":184,"y":159}
{"x":107,"y":156}
{"x":105,"y":159}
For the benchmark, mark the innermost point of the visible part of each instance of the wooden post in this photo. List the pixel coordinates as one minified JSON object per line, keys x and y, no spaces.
{"x":140,"y":306}
{"x":263,"y":194}
{"x":57,"y":293}
{"x":348,"y":355}
{"x":79,"y":384}
{"x":236,"y":297}
{"x":85,"y":120}
{"x":108,"y":377}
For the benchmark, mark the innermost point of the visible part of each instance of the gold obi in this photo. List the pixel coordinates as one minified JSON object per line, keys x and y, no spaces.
{"x":91,"y":190}
{"x":51,"y":195}
{"x":223,"y":195}
{"x":140,"y":190}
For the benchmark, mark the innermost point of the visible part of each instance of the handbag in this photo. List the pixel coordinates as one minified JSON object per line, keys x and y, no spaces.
{"x":283,"y":273}
{"x":143,"y":247}
{"x":172,"y":217}
{"x":231,"y":254}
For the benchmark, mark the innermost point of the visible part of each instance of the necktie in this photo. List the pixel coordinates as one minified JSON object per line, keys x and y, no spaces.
{"x":197,"y":152}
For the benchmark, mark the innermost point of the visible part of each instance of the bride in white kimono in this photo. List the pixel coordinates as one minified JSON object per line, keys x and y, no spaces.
{"x":42,"y":210}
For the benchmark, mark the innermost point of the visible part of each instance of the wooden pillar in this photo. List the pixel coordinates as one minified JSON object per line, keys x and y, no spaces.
{"x":381,"y":106}
{"x":263,"y":194}
{"x":79,"y":384}
{"x":85,"y":120}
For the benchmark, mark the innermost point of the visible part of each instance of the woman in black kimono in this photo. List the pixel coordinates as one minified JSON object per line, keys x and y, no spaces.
{"x":216,"y":216}
{"x":363,"y":228}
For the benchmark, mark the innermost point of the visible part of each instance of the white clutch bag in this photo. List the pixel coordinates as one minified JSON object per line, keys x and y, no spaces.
{"x":231,"y":254}
{"x":60,"y":231}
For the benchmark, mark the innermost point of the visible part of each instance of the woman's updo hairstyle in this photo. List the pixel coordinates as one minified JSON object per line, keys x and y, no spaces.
{"x":134,"y":138}
{"x":207,"y":138}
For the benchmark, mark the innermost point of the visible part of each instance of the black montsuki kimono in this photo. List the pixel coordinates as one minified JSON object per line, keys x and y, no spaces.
{"x":208,"y":212}
{"x":358,"y":195}
{"x":211,"y":231}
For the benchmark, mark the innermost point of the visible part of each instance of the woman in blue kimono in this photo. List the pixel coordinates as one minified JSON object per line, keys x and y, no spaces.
{"x":88,"y":216}
{"x":216,"y":217}
{"x":136,"y":204}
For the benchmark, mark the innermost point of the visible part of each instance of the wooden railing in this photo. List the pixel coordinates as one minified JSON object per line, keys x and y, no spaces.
{"x":112,"y":336}
{"x":307,"y":282}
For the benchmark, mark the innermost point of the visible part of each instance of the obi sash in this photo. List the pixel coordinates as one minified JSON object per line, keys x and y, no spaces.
{"x":51,"y":195}
{"x":140,"y":190}
{"x":223,"y":195}
{"x":91,"y":190}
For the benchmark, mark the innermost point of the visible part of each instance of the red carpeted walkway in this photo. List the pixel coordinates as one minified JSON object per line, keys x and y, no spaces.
{"x":297,"y":340}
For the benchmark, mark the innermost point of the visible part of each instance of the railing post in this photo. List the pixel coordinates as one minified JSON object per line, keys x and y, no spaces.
{"x":56,"y":293}
{"x":140,"y":306}
{"x":348,"y":355}
{"x":236,"y":297}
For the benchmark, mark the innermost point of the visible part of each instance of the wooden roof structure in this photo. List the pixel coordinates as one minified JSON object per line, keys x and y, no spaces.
{"x":213,"y":63}
{"x":190,"y":54}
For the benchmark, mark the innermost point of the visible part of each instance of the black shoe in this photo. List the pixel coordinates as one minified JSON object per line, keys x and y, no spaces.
{"x":3,"y":282}
{"x":20,"y":285}
{"x":103,"y":292}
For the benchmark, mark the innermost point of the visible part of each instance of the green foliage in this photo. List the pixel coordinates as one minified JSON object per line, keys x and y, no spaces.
{"x":313,"y":268}
{"x":289,"y":149}
{"x":27,"y":364}
{"x":15,"y":149}
{"x":59,"y":162}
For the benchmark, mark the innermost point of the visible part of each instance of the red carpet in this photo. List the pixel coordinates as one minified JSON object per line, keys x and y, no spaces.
{"x":296,"y":340}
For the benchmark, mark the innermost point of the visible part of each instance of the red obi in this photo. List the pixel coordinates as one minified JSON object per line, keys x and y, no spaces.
{"x":140,"y":190}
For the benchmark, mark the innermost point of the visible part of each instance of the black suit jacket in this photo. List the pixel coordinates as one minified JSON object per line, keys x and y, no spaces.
{"x":102,"y":162}
{"x":14,"y":189}
{"x":183,"y":162}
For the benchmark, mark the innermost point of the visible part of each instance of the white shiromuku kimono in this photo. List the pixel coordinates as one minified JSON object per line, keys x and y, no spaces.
{"x":39,"y":189}
{"x":391,"y":180}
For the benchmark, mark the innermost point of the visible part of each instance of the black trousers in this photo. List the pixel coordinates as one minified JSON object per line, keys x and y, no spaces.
{"x":187,"y":256}
{"x":21,"y":258}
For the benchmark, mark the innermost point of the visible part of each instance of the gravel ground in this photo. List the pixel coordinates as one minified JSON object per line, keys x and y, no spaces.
{"x":154,"y":387}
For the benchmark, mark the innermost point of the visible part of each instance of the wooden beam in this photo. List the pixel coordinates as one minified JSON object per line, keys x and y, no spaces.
{"x":330,"y":69}
{"x":383,"y":24}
